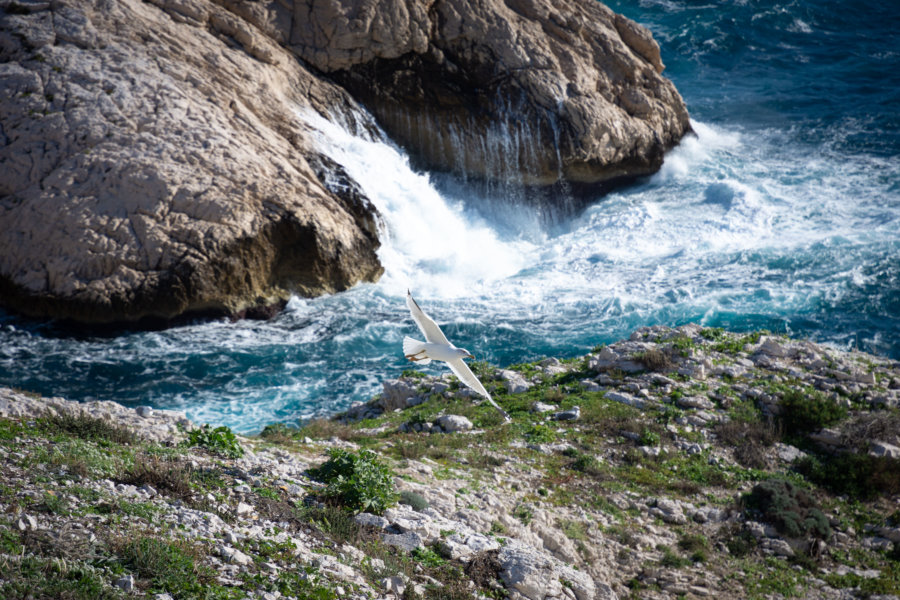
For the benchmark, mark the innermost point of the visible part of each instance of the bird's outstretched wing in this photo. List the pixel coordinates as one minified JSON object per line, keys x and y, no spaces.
{"x":429,"y":328}
{"x":465,"y":374}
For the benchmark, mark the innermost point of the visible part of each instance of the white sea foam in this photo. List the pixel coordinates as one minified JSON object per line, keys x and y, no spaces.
{"x":427,"y":243}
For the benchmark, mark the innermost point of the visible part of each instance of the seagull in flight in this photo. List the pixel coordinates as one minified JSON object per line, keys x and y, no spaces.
{"x":437,"y":347}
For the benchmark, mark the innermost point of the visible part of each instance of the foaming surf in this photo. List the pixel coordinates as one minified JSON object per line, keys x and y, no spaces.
{"x":781,"y":212}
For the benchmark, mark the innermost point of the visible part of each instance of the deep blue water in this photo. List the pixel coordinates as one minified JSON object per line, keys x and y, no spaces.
{"x":782,"y":213}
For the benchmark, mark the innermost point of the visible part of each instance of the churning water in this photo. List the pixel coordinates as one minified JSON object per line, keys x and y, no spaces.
{"x":782,"y":212}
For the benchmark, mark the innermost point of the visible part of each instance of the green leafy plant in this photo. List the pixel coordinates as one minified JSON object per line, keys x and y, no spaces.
{"x":356,"y":480}
{"x":220,"y":440}
{"x":649,"y":438}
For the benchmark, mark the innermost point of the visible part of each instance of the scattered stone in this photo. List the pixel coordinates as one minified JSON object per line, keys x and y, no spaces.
{"x":776,"y":546}
{"x":540,"y":407}
{"x":144,"y":412}
{"x":125,"y":583}
{"x":408,"y":541}
{"x":453,"y":423}
{"x":695,"y":402}
{"x":877,"y":448}
{"x":394,"y":585}
{"x":233,"y":555}
{"x":515,"y":382}
{"x":668,"y":510}
{"x":371,"y":520}
{"x":567,"y":415}
{"x":788,"y":453}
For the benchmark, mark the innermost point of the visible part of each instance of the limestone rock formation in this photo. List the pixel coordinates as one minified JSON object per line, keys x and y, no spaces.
{"x":524,"y":90}
{"x":152,"y":163}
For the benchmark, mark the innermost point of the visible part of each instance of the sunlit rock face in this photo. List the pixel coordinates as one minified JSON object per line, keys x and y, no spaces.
{"x":152,"y":164}
{"x":523,"y":91}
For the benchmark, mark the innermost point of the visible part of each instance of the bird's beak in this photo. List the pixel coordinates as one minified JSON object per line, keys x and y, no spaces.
{"x":472,"y":356}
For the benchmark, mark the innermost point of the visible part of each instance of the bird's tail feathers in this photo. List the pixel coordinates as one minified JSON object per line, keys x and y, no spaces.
{"x":413,"y":349}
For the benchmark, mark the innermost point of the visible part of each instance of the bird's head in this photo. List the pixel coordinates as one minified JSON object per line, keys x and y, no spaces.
{"x":463,"y":353}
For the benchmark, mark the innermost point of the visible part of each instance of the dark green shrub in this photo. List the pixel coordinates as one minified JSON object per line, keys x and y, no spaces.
{"x":859,"y":476}
{"x":741,"y":544}
{"x":587,"y":463}
{"x":88,"y":428}
{"x":220,"y":440}
{"x":805,"y":411}
{"x":790,"y":509}
{"x":356,"y":480}
{"x":413,"y":500}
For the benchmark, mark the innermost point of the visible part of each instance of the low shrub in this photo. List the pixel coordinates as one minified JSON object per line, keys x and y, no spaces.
{"x":220,"y":440}
{"x":356,"y":480}
{"x":413,"y":500}
{"x":749,"y":440}
{"x":88,"y":428}
{"x":278,"y":433}
{"x":172,"y":475}
{"x":655,"y":359}
{"x":805,"y":411}
{"x":790,"y":509}
{"x":859,"y":476}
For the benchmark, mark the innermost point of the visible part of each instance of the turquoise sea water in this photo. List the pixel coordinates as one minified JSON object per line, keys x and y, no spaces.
{"x":783,"y":212}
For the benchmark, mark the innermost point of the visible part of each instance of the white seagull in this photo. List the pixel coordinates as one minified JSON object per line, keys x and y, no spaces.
{"x":437,"y":347}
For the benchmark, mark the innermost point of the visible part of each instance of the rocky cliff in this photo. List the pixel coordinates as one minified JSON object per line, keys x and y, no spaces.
{"x":152,"y":162}
{"x":528,"y":91}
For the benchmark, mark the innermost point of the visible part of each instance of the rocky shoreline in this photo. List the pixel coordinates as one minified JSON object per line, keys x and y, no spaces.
{"x":155,"y":160}
{"x":681,"y":463}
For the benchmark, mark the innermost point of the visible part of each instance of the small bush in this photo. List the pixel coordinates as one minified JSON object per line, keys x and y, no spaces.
{"x":278,"y":433}
{"x":87,"y":428}
{"x":541,"y":434}
{"x":171,"y":475}
{"x":220,"y":440}
{"x":654,"y":359}
{"x":358,"y":481}
{"x":413,"y":500}
{"x":587,"y":464}
{"x":748,"y":440}
{"x":649,"y":438}
{"x":671,"y":559}
{"x":790,"y":509}
{"x":805,"y":411}
{"x":741,"y":544}
{"x":858,"y":476}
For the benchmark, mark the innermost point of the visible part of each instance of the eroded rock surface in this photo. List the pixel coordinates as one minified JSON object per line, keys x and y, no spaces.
{"x":152,"y":163}
{"x":503,"y":89}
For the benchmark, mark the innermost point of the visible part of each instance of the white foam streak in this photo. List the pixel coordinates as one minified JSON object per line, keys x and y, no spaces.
{"x":428,"y":244}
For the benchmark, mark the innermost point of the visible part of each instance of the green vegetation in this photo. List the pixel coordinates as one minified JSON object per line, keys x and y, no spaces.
{"x":859,"y":476}
{"x":790,"y":509}
{"x":356,"y":480}
{"x":413,"y":500}
{"x":220,"y":440}
{"x":807,"y":410}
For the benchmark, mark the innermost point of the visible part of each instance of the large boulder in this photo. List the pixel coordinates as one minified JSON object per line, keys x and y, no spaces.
{"x":152,"y":163}
{"x":529,"y":91}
